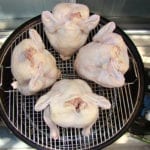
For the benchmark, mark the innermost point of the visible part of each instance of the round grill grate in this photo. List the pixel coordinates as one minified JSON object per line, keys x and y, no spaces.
{"x":18,"y":110}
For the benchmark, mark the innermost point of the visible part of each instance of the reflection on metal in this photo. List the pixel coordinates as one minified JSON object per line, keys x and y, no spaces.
{"x":141,"y":39}
{"x":70,"y":1}
{"x":137,"y":32}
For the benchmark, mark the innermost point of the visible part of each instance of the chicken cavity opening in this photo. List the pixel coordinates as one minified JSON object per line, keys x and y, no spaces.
{"x":78,"y":103}
{"x":29,"y":55}
{"x":75,"y":17}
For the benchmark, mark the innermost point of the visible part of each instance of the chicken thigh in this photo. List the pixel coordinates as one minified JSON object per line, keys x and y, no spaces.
{"x":71,"y":103}
{"x":68,"y":27}
{"x":33,"y":67}
{"x":104,"y":60}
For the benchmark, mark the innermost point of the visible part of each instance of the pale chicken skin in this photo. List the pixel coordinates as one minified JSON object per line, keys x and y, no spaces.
{"x":71,"y":103}
{"x":33,"y":67}
{"x":105,"y":60}
{"x":68,"y":27}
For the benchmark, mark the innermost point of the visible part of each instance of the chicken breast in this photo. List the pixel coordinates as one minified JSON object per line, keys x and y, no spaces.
{"x":33,"y":67}
{"x":68,"y":27}
{"x":105,"y":60}
{"x":71,"y":103}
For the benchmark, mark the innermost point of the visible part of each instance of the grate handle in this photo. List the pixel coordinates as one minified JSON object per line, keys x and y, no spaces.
{"x":1,"y":74}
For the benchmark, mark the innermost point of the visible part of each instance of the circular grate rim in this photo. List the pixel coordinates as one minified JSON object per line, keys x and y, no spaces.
{"x":19,"y":109}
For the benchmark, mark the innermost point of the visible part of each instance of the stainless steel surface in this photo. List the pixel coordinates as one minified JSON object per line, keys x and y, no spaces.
{"x":141,"y":39}
{"x":30,"y":124}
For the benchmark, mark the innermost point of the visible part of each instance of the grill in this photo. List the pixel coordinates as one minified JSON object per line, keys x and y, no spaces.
{"x":18,"y":111}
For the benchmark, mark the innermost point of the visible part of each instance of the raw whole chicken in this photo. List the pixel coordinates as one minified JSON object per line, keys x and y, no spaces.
{"x":33,"y":67}
{"x":71,"y":103}
{"x":104,"y":60}
{"x":68,"y":27}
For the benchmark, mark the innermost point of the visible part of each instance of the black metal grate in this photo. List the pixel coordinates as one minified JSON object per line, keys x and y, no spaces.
{"x":30,"y":124}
